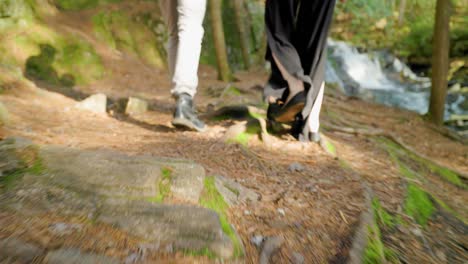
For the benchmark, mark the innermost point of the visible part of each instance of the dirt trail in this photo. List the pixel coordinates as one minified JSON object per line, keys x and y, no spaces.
{"x":316,"y":209}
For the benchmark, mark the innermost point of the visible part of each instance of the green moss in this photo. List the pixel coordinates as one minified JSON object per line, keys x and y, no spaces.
{"x":15,"y":12}
{"x":244,"y":137}
{"x":8,"y":181}
{"x":203,"y":252}
{"x":449,"y":209}
{"x":79,"y":59}
{"x":257,"y":115}
{"x":121,"y":32}
{"x":374,"y":252}
{"x":418,"y":204}
{"x":213,"y":200}
{"x":81,"y":4}
{"x":382,"y":217}
{"x":241,"y":138}
{"x":233,"y":91}
{"x":65,"y":61}
{"x":328,"y":146}
{"x":164,"y":186}
{"x":443,"y":172}
{"x":399,"y":154}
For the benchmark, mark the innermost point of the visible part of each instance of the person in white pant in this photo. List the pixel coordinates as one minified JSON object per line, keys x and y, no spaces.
{"x":184,"y":19}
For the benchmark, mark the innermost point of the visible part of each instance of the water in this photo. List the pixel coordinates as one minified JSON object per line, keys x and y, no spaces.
{"x":381,"y":77}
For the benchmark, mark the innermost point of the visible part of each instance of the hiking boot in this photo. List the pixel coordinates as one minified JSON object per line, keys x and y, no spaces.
{"x":185,"y":116}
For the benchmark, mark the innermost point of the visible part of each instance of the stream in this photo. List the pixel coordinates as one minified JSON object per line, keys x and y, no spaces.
{"x":379,"y":76}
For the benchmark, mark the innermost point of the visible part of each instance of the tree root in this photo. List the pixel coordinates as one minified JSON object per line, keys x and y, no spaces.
{"x":392,"y":137}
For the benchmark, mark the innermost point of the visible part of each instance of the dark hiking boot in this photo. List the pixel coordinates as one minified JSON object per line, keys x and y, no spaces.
{"x":185,"y":116}
{"x":285,"y":113}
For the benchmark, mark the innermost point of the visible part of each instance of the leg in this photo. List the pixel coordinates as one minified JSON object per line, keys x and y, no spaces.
{"x":295,"y":85}
{"x":169,"y":13}
{"x":279,"y":20}
{"x":184,"y":57}
{"x":313,"y":121}
{"x":190,"y":34}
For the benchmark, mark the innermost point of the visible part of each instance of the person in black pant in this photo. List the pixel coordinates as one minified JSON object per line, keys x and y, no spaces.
{"x":297,"y":33}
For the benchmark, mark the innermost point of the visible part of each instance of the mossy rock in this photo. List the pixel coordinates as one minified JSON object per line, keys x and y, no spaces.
{"x":132,"y":35}
{"x":212,"y":199}
{"x":19,"y":156}
{"x":13,"y":12}
{"x":66,"y":62}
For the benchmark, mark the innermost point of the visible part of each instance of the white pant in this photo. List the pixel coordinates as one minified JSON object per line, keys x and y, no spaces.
{"x":184,"y":19}
{"x":313,"y":121}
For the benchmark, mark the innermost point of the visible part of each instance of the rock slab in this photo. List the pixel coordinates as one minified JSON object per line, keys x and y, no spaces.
{"x":95,"y":103}
{"x":136,"y":106}
{"x":75,"y":256}
{"x":13,"y":250}
{"x":117,"y":189}
{"x":233,"y":192}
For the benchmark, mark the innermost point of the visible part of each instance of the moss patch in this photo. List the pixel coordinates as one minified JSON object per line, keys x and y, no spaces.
{"x":81,"y":4}
{"x":375,"y":251}
{"x":423,"y":166}
{"x":132,"y":35}
{"x":206,"y":252}
{"x":35,"y":168}
{"x":45,"y":54}
{"x":418,"y":204}
{"x":213,"y":200}
{"x":164,"y":186}
{"x":381,"y":216}
{"x":448,"y":209}
{"x":233,"y":91}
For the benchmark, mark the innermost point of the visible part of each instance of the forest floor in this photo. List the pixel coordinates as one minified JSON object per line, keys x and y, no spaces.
{"x":311,"y":196}
{"x":317,"y":208}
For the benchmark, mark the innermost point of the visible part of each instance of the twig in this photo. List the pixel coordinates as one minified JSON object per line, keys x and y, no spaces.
{"x":343,"y":217}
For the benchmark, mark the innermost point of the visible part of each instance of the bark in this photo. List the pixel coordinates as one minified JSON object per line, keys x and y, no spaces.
{"x":241,"y":18}
{"x":215,"y":9}
{"x":402,"y":11}
{"x":440,"y":62}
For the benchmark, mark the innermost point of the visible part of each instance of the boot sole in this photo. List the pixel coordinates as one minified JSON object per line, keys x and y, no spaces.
{"x":289,"y":114}
{"x":181,"y":122}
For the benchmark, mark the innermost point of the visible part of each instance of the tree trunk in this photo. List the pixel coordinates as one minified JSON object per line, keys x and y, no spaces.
{"x":239,"y":11}
{"x":440,"y":61}
{"x":401,"y":16}
{"x":215,"y":8}
{"x":263,"y":49}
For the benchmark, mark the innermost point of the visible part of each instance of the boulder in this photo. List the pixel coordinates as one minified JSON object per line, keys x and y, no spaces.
{"x":95,"y":103}
{"x":233,"y":192}
{"x":75,"y":256}
{"x":136,"y":106}
{"x":17,"y":251}
{"x":120,"y":190}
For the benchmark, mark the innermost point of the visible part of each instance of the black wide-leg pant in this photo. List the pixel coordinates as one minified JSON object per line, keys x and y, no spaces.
{"x":297,"y":33}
